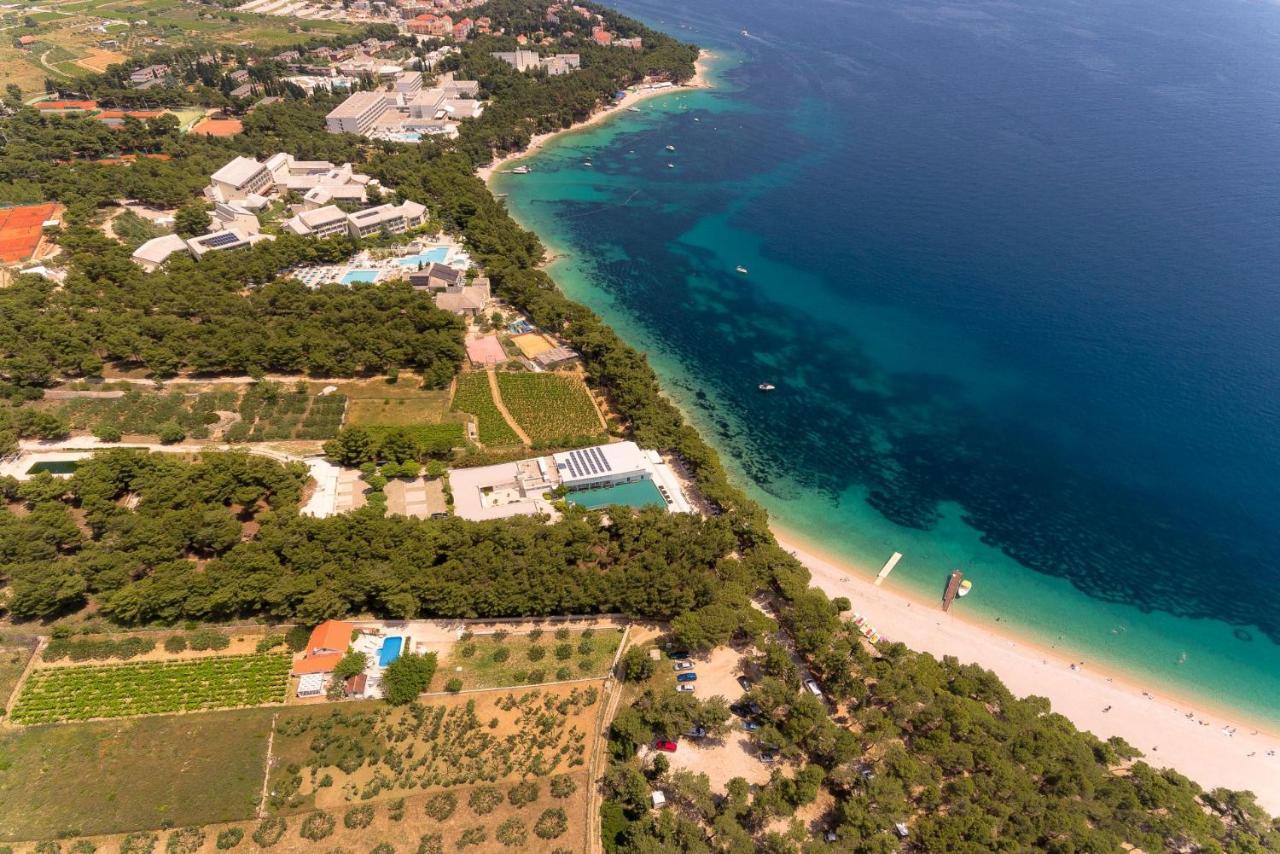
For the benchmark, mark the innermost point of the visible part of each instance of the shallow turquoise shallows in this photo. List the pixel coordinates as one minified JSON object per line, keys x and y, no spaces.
{"x":1012,"y":271}
{"x":641,"y":493}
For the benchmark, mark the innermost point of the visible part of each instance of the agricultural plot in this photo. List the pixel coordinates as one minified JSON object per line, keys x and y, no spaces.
{"x":357,"y":753}
{"x":553,"y":409}
{"x":112,"y":691}
{"x":270,"y":414}
{"x":144,"y":413}
{"x":501,"y":661}
{"x":475,"y":398}
{"x":132,"y":773}
{"x":13,"y":659}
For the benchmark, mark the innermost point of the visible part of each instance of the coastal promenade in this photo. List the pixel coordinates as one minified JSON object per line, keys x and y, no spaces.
{"x":1205,"y":745}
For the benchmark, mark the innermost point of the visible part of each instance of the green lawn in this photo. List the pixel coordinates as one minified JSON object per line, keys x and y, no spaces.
{"x":484,"y":669}
{"x":114,"y":776}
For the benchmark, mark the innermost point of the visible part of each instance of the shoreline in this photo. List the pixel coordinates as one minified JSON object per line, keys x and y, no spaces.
{"x":700,"y":80}
{"x":1199,"y":747}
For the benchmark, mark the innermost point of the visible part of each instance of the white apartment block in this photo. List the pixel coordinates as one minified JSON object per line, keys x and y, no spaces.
{"x":331,"y":220}
{"x":358,"y":113}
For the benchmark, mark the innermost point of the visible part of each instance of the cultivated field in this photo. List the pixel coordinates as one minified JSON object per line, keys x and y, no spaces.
{"x":121,"y":690}
{"x":474,"y":397}
{"x":258,"y":413}
{"x":553,"y":409}
{"x":13,"y":660}
{"x":114,"y":776}
{"x":380,"y":406}
{"x":497,"y":661}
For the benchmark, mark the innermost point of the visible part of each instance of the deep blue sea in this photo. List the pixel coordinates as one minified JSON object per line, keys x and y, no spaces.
{"x":1015,"y":269}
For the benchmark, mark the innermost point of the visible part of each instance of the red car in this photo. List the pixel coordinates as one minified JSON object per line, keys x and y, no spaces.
{"x":665,"y":746}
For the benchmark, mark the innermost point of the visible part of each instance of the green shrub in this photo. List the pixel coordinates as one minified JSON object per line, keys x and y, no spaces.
{"x":441,"y":806}
{"x":171,"y":433}
{"x":551,"y":823}
{"x":395,"y":810}
{"x":141,"y":842}
{"x":407,"y":677}
{"x":484,"y":799}
{"x":317,"y":826}
{"x":296,"y":638}
{"x":229,"y":838}
{"x":564,"y":673}
{"x":536,"y":652}
{"x":564,"y":651}
{"x":188,"y":840}
{"x":454,"y":685}
{"x":269,"y":831}
{"x":472,"y":836}
{"x":524,"y":792}
{"x":269,"y":643}
{"x":562,"y":634}
{"x":467,"y":650}
{"x":48,"y":847}
{"x":562,"y":786}
{"x":536,"y":675}
{"x":108,"y":433}
{"x":383,"y":848}
{"x":207,"y":639}
{"x":431,"y":843}
{"x":501,"y":654}
{"x":82,"y":846}
{"x":175,"y":644}
{"x":358,"y":817}
{"x":587,"y":633}
{"x":586,"y":647}
{"x":512,"y":833}
{"x":535,"y":634}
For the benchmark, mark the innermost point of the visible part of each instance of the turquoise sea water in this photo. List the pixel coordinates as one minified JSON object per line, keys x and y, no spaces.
{"x":1011,"y":267}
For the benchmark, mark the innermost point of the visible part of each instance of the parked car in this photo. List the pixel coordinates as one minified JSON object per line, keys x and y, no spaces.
{"x":745,"y":683}
{"x":682,"y":665}
{"x":769,"y":754}
{"x":812,"y":687}
{"x":677,"y":654}
{"x":750,"y":726}
{"x":665,"y":746}
{"x":689,"y":676}
{"x":685,"y":688}
{"x":697,"y":732}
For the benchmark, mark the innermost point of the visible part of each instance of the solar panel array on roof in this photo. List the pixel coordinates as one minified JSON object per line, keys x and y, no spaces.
{"x":588,"y":461}
{"x":225,"y":238}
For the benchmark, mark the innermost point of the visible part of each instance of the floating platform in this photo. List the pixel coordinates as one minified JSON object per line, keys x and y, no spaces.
{"x":888,"y":568}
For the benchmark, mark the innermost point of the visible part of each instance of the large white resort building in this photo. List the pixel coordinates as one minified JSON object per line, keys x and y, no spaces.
{"x":404,"y":111}
{"x":616,"y":473}
{"x":530,"y":60}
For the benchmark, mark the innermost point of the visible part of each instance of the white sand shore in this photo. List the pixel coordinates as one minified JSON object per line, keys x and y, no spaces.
{"x":633,"y":97}
{"x":1157,"y":724}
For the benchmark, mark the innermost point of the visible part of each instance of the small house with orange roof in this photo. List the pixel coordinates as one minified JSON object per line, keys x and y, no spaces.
{"x":325,"y":648}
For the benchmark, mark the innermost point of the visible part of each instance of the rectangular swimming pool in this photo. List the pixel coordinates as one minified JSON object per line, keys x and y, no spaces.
{"x":359,"y":276}
{"x":54,"y":467}
{"x":642,"y":493}
{"x":438,"y":254}
{"x":390,"y":650}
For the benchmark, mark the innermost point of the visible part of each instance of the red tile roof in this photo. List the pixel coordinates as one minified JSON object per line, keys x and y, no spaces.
{"x":330,"y":636}
{"x":317,"y":664}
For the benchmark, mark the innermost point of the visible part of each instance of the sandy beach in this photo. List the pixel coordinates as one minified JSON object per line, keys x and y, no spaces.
{"x":634,"y":96}
{"x":1204,"y":744}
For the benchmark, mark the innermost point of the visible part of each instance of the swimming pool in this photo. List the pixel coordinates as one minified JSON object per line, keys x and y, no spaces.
{"x":390,"y":650}
{"x":641,"y":493}
{"x":438,"y":254}
{"x":359,"y":276}
{"x":54,"y":467}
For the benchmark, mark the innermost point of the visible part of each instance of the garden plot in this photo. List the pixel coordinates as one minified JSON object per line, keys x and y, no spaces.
{"x":121,"y":690}
{"x":553,"y":409}
{"x":474,"y":397}
{"x":358,"y":752}
{"x":500,"y":660}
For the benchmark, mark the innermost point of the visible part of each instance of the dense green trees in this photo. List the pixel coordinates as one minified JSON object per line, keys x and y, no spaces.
{"x":407,"y":677}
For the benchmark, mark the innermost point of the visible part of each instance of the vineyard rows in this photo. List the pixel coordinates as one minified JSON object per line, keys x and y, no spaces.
{"x":552,"y":409}
{"x":474,"y":397}
{"x":150,"y":687}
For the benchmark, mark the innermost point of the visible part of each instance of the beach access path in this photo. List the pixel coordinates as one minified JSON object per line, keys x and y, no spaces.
{"x":1208,"y":747}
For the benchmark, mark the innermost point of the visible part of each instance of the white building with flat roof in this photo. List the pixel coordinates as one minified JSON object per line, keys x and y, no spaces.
{"x":150,"y":255}
{"x":320,"y":222}
{"x":358,"y":113}
{"x":241,"y":178}
{"x":330,"y":220}
{"x":602,"y":465}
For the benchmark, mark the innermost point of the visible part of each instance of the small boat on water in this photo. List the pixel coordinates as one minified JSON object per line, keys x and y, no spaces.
{"x":741,"y":269}
{"x":671,"y":148}
{"x":519,"y":170}
{"x":965,"y":587}
{"x":953,"y":588}
{"x":586,"y":163}
{"x":671,"y":166}
{"x":745,"y":33}
{"x":766,"y":386}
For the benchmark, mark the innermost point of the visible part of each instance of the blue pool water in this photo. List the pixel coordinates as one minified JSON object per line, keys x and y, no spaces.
{"x":390,"y":651}
{"x":437,"y":255}
{"x":359,"y":276}
{"x":642,"y":493}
